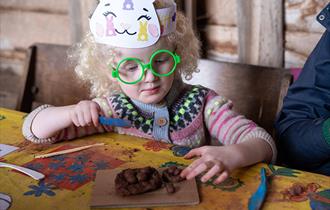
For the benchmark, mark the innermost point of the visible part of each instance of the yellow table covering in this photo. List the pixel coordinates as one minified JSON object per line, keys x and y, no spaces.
{"x":69,"y":178}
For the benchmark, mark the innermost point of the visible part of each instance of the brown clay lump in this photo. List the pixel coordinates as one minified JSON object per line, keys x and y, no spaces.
{"x":141,"y":180}
{"x":172,"y":174}
{"x":137,"y":181}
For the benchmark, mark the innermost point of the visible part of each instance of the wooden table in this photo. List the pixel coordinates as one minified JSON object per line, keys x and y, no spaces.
{"x":69,"y":178}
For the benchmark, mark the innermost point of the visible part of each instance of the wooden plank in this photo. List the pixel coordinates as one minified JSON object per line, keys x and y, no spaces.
{"x":11,"y":71}
{"x":24,"y":28}
{"x":246,"y":41}
{"x":24,"y":78}
{"x":222,"y":38}
{"x":221,"y":42}
{"x":190,"y":11}
{"x":104,"y":194}
{"x":49,"y":6}
{"x":221,"y":12}
{"x":294,"y":59}
{"x":260,"y":26}
{"x":75,"y":20}
{"x":293,"y":42}
{"x":79,"y":12}
{"x":87,"y":9}
{"x":301,"y":15}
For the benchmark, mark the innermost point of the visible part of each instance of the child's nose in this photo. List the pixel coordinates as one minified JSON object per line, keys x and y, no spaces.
{"x":149,"y":76}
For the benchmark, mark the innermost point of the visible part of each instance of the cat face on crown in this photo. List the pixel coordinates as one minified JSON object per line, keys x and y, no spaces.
{"x":126,"y":23}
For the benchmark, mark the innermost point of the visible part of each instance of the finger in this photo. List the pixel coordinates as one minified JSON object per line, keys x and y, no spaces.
{"x":196,"y":171}
{"x":80,"y":117}
{"x":213,"y":171}
{"x":99,"y":110}
{"x":95,"y":117}
{"x":191,"y":167}
{"x":222,"y":177}
{"x":87,"y":116}
{"x":192,"y":153}
{"x":75,"y":120}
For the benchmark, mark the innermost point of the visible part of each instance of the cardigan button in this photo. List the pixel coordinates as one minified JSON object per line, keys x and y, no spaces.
{"x":161,"y":121}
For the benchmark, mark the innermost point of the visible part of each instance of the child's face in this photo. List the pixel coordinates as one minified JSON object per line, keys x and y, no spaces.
{"x":152,"y":89}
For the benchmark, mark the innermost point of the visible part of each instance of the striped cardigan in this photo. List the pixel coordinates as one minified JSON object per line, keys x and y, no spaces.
{"x":192,"y":116}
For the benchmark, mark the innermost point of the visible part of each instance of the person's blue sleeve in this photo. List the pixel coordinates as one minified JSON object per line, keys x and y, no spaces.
{"x":303,"y":124}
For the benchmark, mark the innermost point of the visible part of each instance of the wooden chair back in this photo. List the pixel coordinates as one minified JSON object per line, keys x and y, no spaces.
{"x":49,"y":79}
{"x":257,"y":92}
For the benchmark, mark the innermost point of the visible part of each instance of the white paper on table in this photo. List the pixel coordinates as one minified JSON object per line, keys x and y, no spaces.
{"x":6,"y":149}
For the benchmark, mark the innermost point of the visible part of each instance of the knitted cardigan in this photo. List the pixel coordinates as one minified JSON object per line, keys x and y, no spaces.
{"x":191,"y":116}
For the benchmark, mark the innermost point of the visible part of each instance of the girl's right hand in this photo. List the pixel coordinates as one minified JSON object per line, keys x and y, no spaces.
{"x":85,"y":113}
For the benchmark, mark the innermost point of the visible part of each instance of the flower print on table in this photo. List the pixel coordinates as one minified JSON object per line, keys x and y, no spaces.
{"x":40,"y":189}
{"x":73,"y":170}
{"x":282,"y":171}
{"x":155,"y":146}
{"x":299,"y":192}
{"x":180,"y":151}
{"x":230,"y":184}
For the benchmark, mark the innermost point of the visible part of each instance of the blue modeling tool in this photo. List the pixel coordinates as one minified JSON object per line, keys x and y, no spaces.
{"x":257,"y":199}
{"x":117,"y":122}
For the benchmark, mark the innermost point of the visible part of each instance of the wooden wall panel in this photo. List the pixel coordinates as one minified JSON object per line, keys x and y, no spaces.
{"x":260,"y":29}
{"x":11,"y":70}
{"x":19,"y":29}
{"x":49,"y":6}
{"x":300,"y":27}
{"x":221,"y":12}
{"x":222,"y":42}
{"x":294,"y":40}
{"x":296,"y":53}
{"x":300,"y":15}
{"x":23,"y":23}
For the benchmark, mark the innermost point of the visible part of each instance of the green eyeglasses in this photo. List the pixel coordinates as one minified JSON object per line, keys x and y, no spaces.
{"x":132,"y":70}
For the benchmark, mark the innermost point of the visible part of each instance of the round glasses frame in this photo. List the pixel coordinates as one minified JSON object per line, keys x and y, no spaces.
{"x":145,"y":66}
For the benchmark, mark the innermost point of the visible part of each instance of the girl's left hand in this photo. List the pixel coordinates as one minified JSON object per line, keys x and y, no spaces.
{"x":214,"y":160}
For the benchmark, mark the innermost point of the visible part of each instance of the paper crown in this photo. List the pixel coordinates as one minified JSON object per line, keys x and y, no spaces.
{"x":131,"y":23}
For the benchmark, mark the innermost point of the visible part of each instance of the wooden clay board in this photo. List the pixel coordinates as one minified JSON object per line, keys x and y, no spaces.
{"x":103,"y":194}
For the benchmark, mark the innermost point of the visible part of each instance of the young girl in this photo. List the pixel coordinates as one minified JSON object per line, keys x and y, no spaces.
{"x":134,"y":59}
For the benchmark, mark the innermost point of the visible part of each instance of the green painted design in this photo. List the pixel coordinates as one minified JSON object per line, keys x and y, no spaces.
{"x":129,"y":106}
{"x":134,"y":113}
{"x":176,"y":118}
{"x":230,"y":184}
{"x":140,"y":119}
{"x":182,"y":111}
{"x":171,"y":163}
{"x":2,"y":117}
{"x":283,"y":171}
{"x":186,"y":104}
{"x":148,"y":122}
{"x":191,"y":95}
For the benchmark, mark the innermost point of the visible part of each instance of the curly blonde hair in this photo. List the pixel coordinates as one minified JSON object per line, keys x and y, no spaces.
{"x":91,"y":59}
